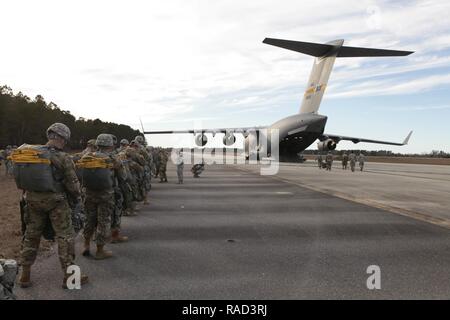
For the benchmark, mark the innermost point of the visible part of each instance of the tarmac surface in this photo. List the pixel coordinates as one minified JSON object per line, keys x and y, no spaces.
{"x":235,"y":234}
{"x":415,"y":190}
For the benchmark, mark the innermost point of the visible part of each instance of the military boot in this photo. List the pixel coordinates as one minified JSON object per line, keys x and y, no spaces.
{"x":25,"y":277}
{"x":127,"y":212}
{"x":132,"y":212}
{"x":86,"y":247}
{"x":102,"y":253}
{"x":116,"y":237}
{"x":83,"y":280}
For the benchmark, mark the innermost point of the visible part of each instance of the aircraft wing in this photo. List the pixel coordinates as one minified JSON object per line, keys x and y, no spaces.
{"x":213,"y":131}
{"x":338,"y":138}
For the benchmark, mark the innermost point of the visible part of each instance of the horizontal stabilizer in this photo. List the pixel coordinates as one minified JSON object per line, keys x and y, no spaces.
{"x":322,"y":50}
{"x":312,"y":49}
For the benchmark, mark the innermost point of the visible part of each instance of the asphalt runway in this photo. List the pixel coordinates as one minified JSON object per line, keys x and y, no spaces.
{"x":234,"y":234}
{"x":415,"y":190}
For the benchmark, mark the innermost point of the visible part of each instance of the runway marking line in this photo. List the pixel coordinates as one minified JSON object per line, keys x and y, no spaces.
{"x":445,"y":223}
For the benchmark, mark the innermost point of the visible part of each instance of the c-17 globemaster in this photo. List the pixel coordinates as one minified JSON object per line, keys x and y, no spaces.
{"x":299,"y":131}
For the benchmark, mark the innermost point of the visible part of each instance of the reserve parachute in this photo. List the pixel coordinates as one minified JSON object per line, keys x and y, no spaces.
{"x":97,"y":171}
{"x":33,"y":170}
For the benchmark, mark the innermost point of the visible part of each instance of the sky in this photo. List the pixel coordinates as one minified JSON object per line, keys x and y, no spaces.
{"x":189,"y":64}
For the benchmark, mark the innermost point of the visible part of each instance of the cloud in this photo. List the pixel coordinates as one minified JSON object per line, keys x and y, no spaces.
{"x":422,"y":108}
{"x":175,"y":60}
{"x":392,"y":87}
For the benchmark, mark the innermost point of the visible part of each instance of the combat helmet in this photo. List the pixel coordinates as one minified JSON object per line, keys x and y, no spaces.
{"x":114,"y":139}
{"x":124,"y":142}
{"x":91,"y":142}
{"x":104,"y":140}
{"x":60,"y":129}
{"x":139,"y":139}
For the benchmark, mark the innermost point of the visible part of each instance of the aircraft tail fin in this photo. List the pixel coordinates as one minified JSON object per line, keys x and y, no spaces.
{"x":325,"y":55}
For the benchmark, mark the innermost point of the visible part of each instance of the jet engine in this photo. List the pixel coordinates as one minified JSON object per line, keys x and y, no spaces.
{"x":326,"y":145}
{"x":229,"y":139}
{"x":201,"y":140}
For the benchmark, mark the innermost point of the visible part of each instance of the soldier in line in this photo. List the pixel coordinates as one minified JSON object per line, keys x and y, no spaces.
{"x":120,"y":188}
{"x":100,"y":202}
{"x":127,"y":189}
{"x":320,"y":160}
{"x":124,"y":143}
{"x":48,"y":200}
{"x":90,"y":147}
{"x":344,"y":161}
{"x":147,"y":166}
{"x":136,"y":164}
{"x":8,"y":163}
{"x":140,"y":175}
{"x":361,"y":160}
{"x":151,"y":152}
{"x":329,"y":160}
{"x":352,"y":159}
{"x":156,"y":162}
{"x":2,"y":157}
{"x":163,"y":158}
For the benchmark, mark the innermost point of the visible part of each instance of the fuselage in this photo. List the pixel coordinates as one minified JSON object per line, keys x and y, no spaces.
{"x":295,"y":134}
{"x":298,"y":132}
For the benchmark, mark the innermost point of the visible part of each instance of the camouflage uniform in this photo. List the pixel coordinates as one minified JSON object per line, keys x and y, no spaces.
{"x":163,"y":158}
{"x":8,"y":163}
{"x":180,"y":167}
{"x":99,"y":206}
{"x":155,"y":162}
{"x":329,"y":161}
{"x":344,"y":161}
{"x":53,"y":206}
{"x":352,"y":159}
{"x":136,"y":164}
{"x":146,"y":179}
{"x":116,"y":217}
{"x":361,"y":160}
{"x":319,"y":160}
{"x":2,"y":157}
{"x":126,"y":186}
{"x":147,"y":173}
{"x":41,"y":205}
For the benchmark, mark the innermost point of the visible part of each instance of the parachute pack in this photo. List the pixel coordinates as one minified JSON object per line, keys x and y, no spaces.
{"x":97,"y":171}
{"x":33,"y":170}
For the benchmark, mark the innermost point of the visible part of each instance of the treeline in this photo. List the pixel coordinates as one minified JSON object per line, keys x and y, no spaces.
{"x":387,"y":153}
{"x":25,"y":120}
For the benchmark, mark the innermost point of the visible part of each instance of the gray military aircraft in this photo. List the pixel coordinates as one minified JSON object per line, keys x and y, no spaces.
{"x":299,"y":131}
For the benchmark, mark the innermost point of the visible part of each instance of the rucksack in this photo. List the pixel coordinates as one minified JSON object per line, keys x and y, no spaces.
{"x":33,"y":169}
{"x":97,"y":171}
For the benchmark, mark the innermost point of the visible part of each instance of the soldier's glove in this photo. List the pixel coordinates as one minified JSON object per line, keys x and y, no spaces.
{"x":78,"y":217}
